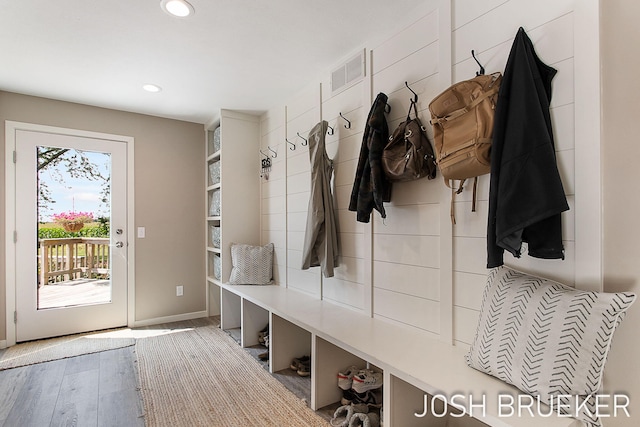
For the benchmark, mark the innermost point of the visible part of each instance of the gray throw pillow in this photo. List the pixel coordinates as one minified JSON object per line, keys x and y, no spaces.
{"x":251,"y":265}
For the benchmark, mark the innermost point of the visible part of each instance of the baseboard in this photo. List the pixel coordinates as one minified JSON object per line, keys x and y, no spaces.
{"x":168,"y":319}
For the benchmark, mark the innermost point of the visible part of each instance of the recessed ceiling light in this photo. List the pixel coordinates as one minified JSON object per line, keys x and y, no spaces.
{"x":151,"y":88}
{"x":179,"y":8}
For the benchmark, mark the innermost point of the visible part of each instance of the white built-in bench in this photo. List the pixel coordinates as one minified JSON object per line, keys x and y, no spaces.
{"x":415,"y":365}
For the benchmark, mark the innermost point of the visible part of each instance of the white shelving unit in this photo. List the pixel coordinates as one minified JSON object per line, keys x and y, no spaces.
{"x":417,"y":368}
{"x":232,"y":194}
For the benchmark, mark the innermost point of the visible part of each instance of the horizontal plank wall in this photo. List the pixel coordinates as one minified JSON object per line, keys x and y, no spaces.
{"x":415,"y":268}
{"x":351,"y":284}
{"x":303,"y":113}
{"x":406,"y":246}
{"x":273,"y":190}
{"x":550,"y":25}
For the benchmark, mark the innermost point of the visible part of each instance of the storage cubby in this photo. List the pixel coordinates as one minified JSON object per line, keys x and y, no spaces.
{"x":413,"y":407}
{"x":288,"y":341}
{"x":254,"y":319}
{"x":329,"y":360}
{"x":230,"y":312}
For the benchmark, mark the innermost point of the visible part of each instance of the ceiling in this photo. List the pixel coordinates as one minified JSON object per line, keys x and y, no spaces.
{"x":246,"y":55}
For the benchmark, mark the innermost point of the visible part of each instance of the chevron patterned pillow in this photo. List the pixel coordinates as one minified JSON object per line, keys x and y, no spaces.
{"x":547,"y":339}
{"x":251,"y":265}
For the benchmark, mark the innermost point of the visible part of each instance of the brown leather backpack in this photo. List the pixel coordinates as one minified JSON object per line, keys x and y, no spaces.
{"x":408,"y":155}
{"x":462,"y":119}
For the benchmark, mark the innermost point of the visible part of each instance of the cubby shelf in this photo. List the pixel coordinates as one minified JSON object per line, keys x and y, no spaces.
{"x":232,"y":168}
{"x":416,"y":367}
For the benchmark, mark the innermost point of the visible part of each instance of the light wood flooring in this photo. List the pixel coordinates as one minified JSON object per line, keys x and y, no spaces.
{"x":97,"y":389}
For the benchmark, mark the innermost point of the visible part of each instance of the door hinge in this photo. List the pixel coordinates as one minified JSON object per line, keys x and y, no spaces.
{"x":15,"y":156}
{"x":15,"y":317}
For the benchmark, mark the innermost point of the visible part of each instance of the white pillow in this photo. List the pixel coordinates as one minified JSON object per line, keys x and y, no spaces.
{"x":545,"y":338}
{"x":251,"y":265}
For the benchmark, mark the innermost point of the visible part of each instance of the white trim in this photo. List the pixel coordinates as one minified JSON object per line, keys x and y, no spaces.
{"x":169,"y":319}
{"x":10,"y":221}
{"x":3,"y":344}
{"x":445,"y":73}
{"x":11,"y":127}
{"x":131,"y":237}
{"x":588,"y":170}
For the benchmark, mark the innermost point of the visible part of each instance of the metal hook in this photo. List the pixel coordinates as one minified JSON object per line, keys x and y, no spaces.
{"x":330,"y":130}
{"x":289,"y":142}
{"x":415,"y":95}
{"x":274,"y":153}
{"x":306,"y":142}
{"x":348,"y":125}
{"x":387,"y":108}
{"x":266,"y":155}
{"x":481,"y":72}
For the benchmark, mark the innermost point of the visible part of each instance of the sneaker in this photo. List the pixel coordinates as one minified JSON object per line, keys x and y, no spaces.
{"x":298,"y":361}
{"x":345,"y":378}
{"x":263,"y":334}
{"x":366,"y":380}
{"x":304,"y":369}
{"x":368,"y":398}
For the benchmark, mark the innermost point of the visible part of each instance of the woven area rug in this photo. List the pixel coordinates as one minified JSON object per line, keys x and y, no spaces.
{"x":201,"y":377}
{"x":33,"y":352}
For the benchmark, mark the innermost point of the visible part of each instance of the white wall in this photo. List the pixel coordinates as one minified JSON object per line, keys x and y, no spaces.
{"x":414,"y":268}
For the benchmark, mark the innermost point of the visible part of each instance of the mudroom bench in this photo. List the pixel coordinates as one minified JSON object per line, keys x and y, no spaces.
{"x":418,"y":370}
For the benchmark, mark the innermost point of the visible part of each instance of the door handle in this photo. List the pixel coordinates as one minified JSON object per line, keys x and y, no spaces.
{"x":119,"y":244}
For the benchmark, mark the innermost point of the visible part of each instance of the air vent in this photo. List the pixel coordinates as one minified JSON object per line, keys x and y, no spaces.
{"x":348,"y":73}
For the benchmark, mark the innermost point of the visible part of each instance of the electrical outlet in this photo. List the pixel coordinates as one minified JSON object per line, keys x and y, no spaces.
{"x":179,"y":291}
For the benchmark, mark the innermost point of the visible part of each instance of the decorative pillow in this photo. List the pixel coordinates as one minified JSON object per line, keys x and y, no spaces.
{"x":547,"y":339}
{"x":251,"y":265}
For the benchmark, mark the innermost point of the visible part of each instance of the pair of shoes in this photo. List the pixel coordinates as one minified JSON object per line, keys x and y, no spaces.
{"x":345,"y":377}
{"x":357,"y":415}
{"x":263,"y":336}
{"x":370,"y":419}
{"x":368,"y":398}
{"x":366,"y":379}
{"x":302,"y":365}
{"x":343,"y":415}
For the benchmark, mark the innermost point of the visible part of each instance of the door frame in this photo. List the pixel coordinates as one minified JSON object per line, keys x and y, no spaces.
{"x":11,"y":128}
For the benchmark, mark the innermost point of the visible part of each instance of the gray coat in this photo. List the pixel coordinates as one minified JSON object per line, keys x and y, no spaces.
{"x":321,"y":236}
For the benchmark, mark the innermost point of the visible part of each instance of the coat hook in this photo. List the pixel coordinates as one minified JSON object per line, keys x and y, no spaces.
{"x":415,"y":95}
{"x":387,"y":108}
{"x":481,"y":72}
{"x":289,"y":142}
{"x":266,"y":155}
{"x":330,"y":130}
{"x":348,"y":125}
{"x":274,"y":153}
{"x":306,"y":142}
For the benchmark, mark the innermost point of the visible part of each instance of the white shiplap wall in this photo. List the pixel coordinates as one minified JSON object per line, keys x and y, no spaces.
{"x":414,"y":268}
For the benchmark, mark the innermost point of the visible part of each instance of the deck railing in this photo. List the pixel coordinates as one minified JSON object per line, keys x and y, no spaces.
{"x":72,"y":258}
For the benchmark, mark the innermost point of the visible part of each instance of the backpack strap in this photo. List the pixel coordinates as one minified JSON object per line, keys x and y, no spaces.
{"x":458,"y":191}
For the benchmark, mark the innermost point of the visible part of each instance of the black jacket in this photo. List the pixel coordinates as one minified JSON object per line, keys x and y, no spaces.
{"x":371,"y":187}
{"x":526,"y":195}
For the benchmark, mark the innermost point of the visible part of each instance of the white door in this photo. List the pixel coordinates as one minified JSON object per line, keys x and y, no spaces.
{"x":68,"y":282}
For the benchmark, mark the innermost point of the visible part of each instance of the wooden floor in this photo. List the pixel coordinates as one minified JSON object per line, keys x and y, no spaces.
{"x":97,"y":389}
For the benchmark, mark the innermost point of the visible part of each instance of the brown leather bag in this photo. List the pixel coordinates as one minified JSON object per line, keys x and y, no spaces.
{"x":408,"y":155}
{"x":462,"y":118}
